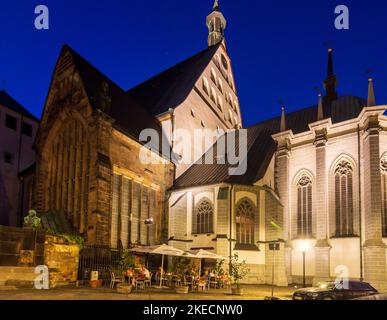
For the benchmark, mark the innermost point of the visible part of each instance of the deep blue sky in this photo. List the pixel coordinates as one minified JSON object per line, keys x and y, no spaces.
{"x":277,"y":47}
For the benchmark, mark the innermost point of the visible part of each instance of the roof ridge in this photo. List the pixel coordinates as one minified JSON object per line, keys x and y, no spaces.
{"x":173,"y":67}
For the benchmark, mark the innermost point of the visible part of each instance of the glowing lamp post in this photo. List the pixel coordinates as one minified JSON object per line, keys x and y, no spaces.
{"x":304,"y":247}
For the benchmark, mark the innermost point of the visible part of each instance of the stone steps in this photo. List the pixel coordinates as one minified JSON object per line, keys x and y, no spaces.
{"x":12,"y":277}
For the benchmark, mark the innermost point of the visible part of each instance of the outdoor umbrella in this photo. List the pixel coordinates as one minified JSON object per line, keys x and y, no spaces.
{"x":203,"y":254}
{"x":163,"y":250}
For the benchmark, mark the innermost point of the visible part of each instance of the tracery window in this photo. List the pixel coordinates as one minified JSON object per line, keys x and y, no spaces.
{"x":245,"y":222}
{"x":344,"y":199}
{"x":304,"y":207}
{"x":203,"y":221}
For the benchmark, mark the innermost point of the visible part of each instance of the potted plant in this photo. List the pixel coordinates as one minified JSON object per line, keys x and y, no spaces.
{"x":32,"y":220}
{"x":238,"y":271}
{"x":180,"y":266}
{"x":127,"y":262}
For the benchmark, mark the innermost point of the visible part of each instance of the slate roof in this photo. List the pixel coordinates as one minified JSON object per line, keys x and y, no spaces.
{"x":170,"y":88}
{"x":261,"y":146}
{"x":127,"y":113}
{"x":7,"y":101}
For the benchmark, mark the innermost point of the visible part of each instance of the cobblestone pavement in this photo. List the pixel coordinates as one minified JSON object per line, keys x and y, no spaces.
{"x":84,"y":293}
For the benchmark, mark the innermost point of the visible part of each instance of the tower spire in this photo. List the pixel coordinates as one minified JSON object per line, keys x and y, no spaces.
{"x":320,"y":113}
{"x":283,"y":120}
{"x":330,"y":82}
{"x":216,"y":6}
{"x":216,"y":24}
{"x":371,"y":101}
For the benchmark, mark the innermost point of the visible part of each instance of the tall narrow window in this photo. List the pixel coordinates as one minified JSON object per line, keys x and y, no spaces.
{"x":304,"y":207}
{"x":245,"y":222}
{"x":344,"y":199}
{"x":204,"y":217}
{"x":383,"y":168}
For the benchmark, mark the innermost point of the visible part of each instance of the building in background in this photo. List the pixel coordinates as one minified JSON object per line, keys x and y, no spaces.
{"x":18,"y":128}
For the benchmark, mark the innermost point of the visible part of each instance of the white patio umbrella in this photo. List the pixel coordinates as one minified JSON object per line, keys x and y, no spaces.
{"x":163,"y":250}
{"x":203,"y":254}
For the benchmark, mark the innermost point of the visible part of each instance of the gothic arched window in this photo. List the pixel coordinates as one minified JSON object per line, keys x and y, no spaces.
{"x":203,"y":222}
{"x":304,"y":207}
{"x":245,"y":222}
{"x":344,"y":199}
{"x":383,"y":168}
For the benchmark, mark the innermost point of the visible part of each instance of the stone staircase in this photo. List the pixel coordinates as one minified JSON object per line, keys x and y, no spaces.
{"x":17,"y":277}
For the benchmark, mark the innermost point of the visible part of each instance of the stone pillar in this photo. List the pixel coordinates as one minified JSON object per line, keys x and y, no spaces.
{"x":223,"y":229}
{"x":374,"y":247}
{"x":100,"y":181}
{"x":282,"y":187}
{"x":322,"y":248}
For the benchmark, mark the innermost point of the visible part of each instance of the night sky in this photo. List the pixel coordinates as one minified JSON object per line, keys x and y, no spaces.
{"x":277,"y":47}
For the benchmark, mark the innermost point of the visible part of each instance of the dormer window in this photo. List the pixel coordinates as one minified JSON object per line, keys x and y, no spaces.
{"x":213,"y":95}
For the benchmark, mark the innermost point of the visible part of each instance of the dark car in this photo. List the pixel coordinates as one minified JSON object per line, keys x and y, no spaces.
{"x":382,"y":297}
{"x":336,"y":291}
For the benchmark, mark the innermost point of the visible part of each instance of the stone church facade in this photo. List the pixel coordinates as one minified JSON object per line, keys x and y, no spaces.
{"x":315,"y":176}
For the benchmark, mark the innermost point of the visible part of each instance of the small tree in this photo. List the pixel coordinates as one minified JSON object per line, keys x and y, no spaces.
{"x":127,"y":260}
{"x":181,"y":265}
{"x":219,"y":267}
{"x":239,"y":270}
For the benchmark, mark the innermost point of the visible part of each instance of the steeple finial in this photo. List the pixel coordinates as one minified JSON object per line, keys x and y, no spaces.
{"x":330,"y":82}
{"x":371,"y":101}
{"x":283,"y":120}
{"x":216,"y":24}
{"x":320,"y":112}
{"x":216,"y":6}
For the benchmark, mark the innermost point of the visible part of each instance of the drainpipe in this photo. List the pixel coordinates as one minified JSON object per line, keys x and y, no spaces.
{"x":360,"y":205}
{"x":230,"y":226}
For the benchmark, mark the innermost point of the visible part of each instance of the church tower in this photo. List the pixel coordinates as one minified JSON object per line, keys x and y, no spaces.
{"x":216,"y":24}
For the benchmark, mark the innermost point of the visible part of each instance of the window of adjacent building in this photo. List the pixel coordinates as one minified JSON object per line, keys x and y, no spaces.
{"x":193,"y":113}
{"x":383,"y":168}
{"x":8,"y":157}
{"x":245,"y":222}
{"x":27,"y":129}
{"x":344,"y":199}
{"x":10,"y":122}
{"x":203,"y":221}
{"x":304,"y":207}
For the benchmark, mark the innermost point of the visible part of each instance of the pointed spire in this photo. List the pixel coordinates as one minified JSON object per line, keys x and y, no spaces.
{"x":330,"y":82}
{"x":216,"y":24}
{"x":216,"y":6}
{"x":320,"y":113}
{"x":283,"y":120}
{"x":330,"y":63}
{"x":371,"y":101}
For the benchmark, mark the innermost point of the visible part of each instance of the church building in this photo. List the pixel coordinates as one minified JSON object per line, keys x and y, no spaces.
{"x":315,"y":184}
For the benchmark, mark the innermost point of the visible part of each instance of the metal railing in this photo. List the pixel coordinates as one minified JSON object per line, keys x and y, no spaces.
{"x":98,"y":258}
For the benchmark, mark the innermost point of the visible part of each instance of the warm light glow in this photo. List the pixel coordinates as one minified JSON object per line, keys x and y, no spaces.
{"x":304,"y":246}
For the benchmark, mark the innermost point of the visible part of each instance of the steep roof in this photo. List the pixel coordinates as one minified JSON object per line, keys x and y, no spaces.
{"x":261,"y":146}
{"x":7,"y":101}
{"x":127,"y":113}
{"x":171,"y":87}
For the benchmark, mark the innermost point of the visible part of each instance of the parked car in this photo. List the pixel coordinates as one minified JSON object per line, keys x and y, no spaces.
{"x":374,"y":297}
{"x":336,"y":291}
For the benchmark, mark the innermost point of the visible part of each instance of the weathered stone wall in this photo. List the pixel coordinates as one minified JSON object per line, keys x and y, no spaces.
{"x":62,"y":261}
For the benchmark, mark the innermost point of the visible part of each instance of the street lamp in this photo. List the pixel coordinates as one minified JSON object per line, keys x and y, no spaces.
{"x":304,"y":247}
